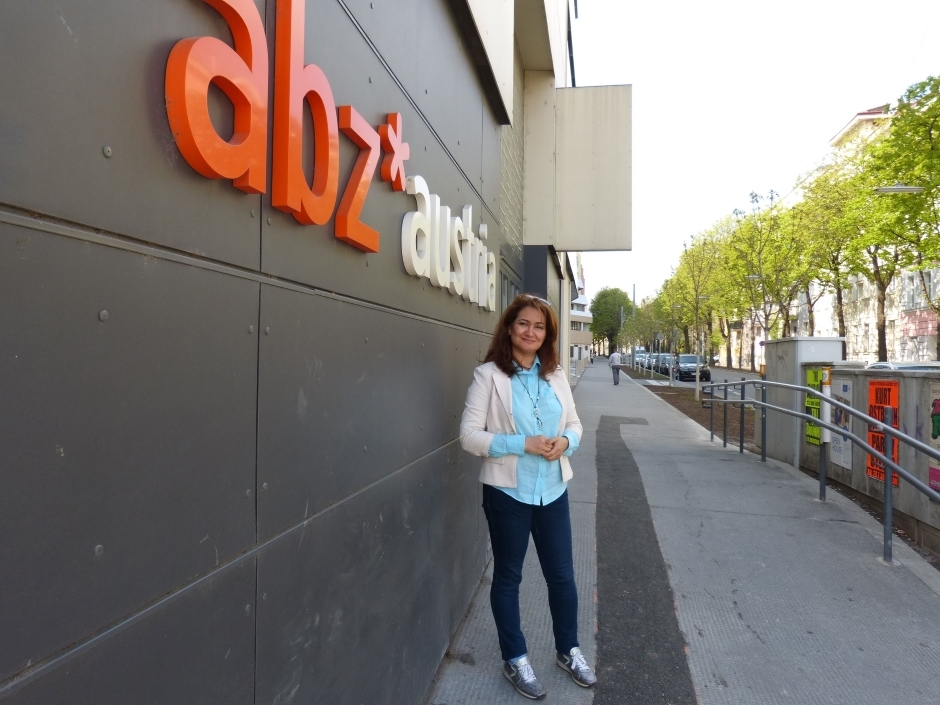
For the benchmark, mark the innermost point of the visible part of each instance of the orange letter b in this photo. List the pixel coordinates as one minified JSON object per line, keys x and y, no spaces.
{"x":295,"y":84}
{"x":242,"y":74}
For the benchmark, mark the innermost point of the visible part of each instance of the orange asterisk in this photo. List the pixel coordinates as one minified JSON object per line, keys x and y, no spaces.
{"x":396,"y":152}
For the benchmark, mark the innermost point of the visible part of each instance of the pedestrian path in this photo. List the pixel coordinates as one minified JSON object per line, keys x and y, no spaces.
{"x":709,"y":577}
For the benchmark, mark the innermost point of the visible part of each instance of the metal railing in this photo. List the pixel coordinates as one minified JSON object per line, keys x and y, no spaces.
{"x":891,"y":435}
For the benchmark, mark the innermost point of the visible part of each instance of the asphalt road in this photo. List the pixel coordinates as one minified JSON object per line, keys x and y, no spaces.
{"x":640,"y":649}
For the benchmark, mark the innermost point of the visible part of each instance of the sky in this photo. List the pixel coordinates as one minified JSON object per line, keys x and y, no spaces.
{"x":732,"y":97}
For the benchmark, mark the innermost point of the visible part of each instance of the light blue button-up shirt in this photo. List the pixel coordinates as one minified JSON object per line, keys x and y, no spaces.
{"x":538,"y":481}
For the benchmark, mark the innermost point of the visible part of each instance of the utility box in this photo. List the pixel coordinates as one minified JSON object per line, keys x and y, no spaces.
{"x":784,"y":360}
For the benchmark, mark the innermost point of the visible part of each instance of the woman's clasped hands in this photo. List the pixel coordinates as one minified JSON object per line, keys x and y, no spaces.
{"x":548,"y":448}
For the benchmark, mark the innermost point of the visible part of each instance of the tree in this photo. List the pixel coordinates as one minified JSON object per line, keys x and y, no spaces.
{"x":763,"y":262}
{"x":606,"y":308}
{"x":910,"y":154}
{"x":697,"y":266}
{"x":830,"y":229}
{"x":881,"y":248}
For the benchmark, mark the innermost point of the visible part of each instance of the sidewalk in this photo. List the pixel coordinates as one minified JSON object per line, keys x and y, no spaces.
{"x":718,"y":579}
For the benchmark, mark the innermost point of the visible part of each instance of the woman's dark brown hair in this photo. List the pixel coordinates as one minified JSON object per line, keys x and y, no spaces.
{"x":500,"y":350}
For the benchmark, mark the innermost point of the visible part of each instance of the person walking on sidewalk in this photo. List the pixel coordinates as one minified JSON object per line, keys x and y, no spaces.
{"x":615,"y":361}
{"x":520,"y":417}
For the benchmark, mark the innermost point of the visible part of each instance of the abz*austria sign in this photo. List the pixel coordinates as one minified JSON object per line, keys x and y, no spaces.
{"x":434,"y":245}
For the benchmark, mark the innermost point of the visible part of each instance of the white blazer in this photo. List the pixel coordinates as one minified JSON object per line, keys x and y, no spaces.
{"x":489,"y":411}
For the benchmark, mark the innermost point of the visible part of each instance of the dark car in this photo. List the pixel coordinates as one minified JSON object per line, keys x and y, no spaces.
{"x":687,"y":368}
{"x":667,"y":364}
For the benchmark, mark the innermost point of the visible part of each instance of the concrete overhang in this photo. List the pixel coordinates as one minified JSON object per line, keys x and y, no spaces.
{"x":491,"y":28}
{"x":578,"y":177}
{"x":593,"y":169}
{"x":487,"y":27}
{"x":532,"y":35}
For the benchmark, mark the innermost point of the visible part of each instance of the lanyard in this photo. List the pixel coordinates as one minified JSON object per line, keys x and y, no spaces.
{"x":535,"y":402}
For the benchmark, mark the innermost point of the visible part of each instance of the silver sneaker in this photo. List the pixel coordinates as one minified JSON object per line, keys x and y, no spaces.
{"x":522,"y":677}
{"x":575,"y":664}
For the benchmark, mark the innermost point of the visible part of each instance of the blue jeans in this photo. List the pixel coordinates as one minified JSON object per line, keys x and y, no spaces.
{"x":510,"y":523}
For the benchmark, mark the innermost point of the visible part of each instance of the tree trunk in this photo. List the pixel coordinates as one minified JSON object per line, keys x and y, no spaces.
{"x":753,"y":349}
{"x":880,"y":323}
{"x":810,"y":316}
{"x":685,"y":333}
{"x":785,"y":315}
{"x":741,"y":347}
{"x":711,"y":346}
{"x":840,"y":314}
{"x":729,"y":363}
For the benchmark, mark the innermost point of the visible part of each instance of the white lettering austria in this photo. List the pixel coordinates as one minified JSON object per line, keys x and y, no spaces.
{"x":445,"y":250}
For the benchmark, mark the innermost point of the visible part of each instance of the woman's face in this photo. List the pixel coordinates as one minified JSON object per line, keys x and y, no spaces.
{"x":527,"y":332}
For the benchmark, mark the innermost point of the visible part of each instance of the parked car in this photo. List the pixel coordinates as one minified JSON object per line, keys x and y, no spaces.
{"x":687,"y":368}
{"x":919,"y":365}
{"x":662,"y":363}
{"x":667,"y":364}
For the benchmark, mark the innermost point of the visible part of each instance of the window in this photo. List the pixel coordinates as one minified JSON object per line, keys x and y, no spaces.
{"x":507,"y":290}
{"x":576,"y":325}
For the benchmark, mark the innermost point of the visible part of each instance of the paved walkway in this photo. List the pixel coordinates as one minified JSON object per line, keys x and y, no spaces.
{"x":709,"y":577}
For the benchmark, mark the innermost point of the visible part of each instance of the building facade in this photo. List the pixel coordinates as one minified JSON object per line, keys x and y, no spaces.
{"x":250,"y":253}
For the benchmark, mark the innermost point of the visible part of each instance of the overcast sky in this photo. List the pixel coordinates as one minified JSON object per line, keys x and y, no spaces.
{"x":734,"y":97}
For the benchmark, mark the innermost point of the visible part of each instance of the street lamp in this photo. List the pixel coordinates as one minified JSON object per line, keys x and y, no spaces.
{"x":900,"y":188}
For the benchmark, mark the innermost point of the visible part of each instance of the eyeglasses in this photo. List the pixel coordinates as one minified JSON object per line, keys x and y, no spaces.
{"x":531,"y":297}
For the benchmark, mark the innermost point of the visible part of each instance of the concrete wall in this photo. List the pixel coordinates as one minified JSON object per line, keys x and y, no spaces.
{"x":917,"y":396}
{"x":230,"y":456}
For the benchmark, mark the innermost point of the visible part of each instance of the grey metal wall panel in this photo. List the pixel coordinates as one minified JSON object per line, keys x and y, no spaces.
{"x":199,"y":648}
{"x":136,"y":433}
{"x":422,"y":44}
{"x":359,"y":606}
{"x":76,"y":76}
{"x":336,"y":412}
{"x":311,"y":254}
{"x":491,"y":166}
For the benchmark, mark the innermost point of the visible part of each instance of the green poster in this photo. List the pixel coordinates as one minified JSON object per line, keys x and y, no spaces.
{"x":814,"y":380}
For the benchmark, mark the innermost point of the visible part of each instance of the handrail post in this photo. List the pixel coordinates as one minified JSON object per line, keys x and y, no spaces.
{"x":741,"y":426}
{"x":822,"y":471}
{"x":724,"y":440}
{"x":889,"y":488}
{"x":825,"y":435}
{"x":711,"y":408}
{"x":763,"y":422}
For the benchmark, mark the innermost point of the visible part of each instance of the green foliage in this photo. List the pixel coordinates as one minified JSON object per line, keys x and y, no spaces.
{"x":754,"y":265}
{"x":606,"y":311}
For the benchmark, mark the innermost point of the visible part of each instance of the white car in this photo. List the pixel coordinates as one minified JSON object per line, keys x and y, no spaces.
{"x":922,"y":365}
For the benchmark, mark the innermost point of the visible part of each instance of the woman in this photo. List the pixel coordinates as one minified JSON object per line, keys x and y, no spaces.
{"x":520,"y":418}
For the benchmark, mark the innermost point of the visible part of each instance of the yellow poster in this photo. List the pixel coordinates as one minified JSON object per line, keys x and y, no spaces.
{"x":814,"y":380}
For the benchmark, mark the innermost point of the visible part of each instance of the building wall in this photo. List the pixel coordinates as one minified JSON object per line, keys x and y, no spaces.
{"x":231,"y":465}
{"x":512,"y":159}
{"x":910,"y":325}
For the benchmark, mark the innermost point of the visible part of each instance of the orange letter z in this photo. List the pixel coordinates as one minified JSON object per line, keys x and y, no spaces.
{"x":348,"y":226}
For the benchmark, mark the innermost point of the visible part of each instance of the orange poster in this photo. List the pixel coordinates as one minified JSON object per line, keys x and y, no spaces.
{"x":882,"y":394}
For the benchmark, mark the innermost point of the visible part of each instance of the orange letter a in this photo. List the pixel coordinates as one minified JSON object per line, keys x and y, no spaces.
{"x":242,"y":74}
